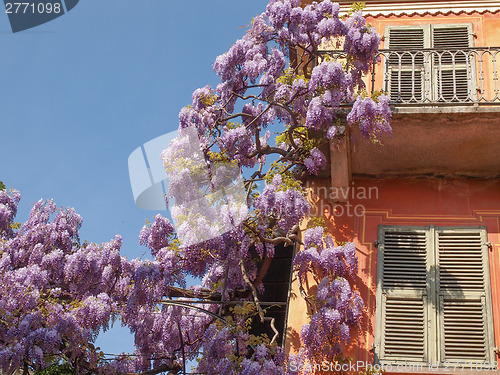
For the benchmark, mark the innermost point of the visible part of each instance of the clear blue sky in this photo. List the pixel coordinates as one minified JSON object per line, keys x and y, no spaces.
{"x":80,"y":93}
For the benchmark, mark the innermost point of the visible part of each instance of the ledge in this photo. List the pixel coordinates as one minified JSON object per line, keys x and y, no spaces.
{"x":468,"y":108}
{"x":427,"y":176}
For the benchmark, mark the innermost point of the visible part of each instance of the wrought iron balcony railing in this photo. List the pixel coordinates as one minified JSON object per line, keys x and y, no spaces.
{"x":433,"y":76}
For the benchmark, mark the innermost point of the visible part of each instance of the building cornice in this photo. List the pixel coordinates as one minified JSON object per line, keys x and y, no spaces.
{"x":416,"y":7}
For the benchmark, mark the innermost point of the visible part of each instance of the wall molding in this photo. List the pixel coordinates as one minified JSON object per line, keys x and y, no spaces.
{"x":409,"y":7}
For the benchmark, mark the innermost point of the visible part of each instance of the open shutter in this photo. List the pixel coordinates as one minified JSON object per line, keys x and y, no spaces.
{"x":452,"y":63}
{"x":433,"y":296}
{"x":402,"y":261}
{"x":464,"y":295}
{"x":406,"y":69}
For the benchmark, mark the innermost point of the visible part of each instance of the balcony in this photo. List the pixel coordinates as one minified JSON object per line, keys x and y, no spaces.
{"x":445,"y":122}
{"x":434,"y":77}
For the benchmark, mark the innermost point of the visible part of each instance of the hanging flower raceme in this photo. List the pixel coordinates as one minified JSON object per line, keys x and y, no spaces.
{"x":337,"y":308}
{"x":371,"y":116}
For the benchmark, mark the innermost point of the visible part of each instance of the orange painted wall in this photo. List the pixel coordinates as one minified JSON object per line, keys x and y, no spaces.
{"x":399,"y":202}
{"x":406,"y":202}
{"x":491,"y":34}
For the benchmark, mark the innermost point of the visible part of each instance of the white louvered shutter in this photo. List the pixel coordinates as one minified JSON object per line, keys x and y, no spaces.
{"x":452,"y":63}
{"x":443,"y":74}
{"x":403,"y":314}
{"x":406,"y":70}
{"x":464,"y":296}
{"x":433,"y":296}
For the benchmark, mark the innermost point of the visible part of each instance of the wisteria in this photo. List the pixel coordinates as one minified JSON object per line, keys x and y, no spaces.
{"x":237,"y":196}
{"x":55,"y":292}
{"x":336,"y":308}
{"x":300,"y":100}
{"x":371,"y":116}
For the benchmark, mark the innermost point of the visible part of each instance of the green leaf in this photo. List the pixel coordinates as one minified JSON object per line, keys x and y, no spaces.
{"x":56,"y":369}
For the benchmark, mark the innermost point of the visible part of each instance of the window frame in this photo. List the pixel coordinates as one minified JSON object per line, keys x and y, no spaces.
{"x":430,"y":72}
{"x":433,"y":297}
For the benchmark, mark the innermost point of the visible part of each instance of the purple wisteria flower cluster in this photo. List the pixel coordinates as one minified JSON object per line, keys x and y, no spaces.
{"x":55,"y":293}
{"x":371,"y":116}
{"x":223,"y":341}
{"x":336,"y":307}
{"x":255,"y":73}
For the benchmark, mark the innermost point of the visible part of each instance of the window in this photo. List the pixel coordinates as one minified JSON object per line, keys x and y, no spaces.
{"x":430,"y":62}
{"x":433,"y":296}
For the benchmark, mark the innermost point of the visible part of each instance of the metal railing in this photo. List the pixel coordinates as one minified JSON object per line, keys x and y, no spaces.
{"x":432,"y":76}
